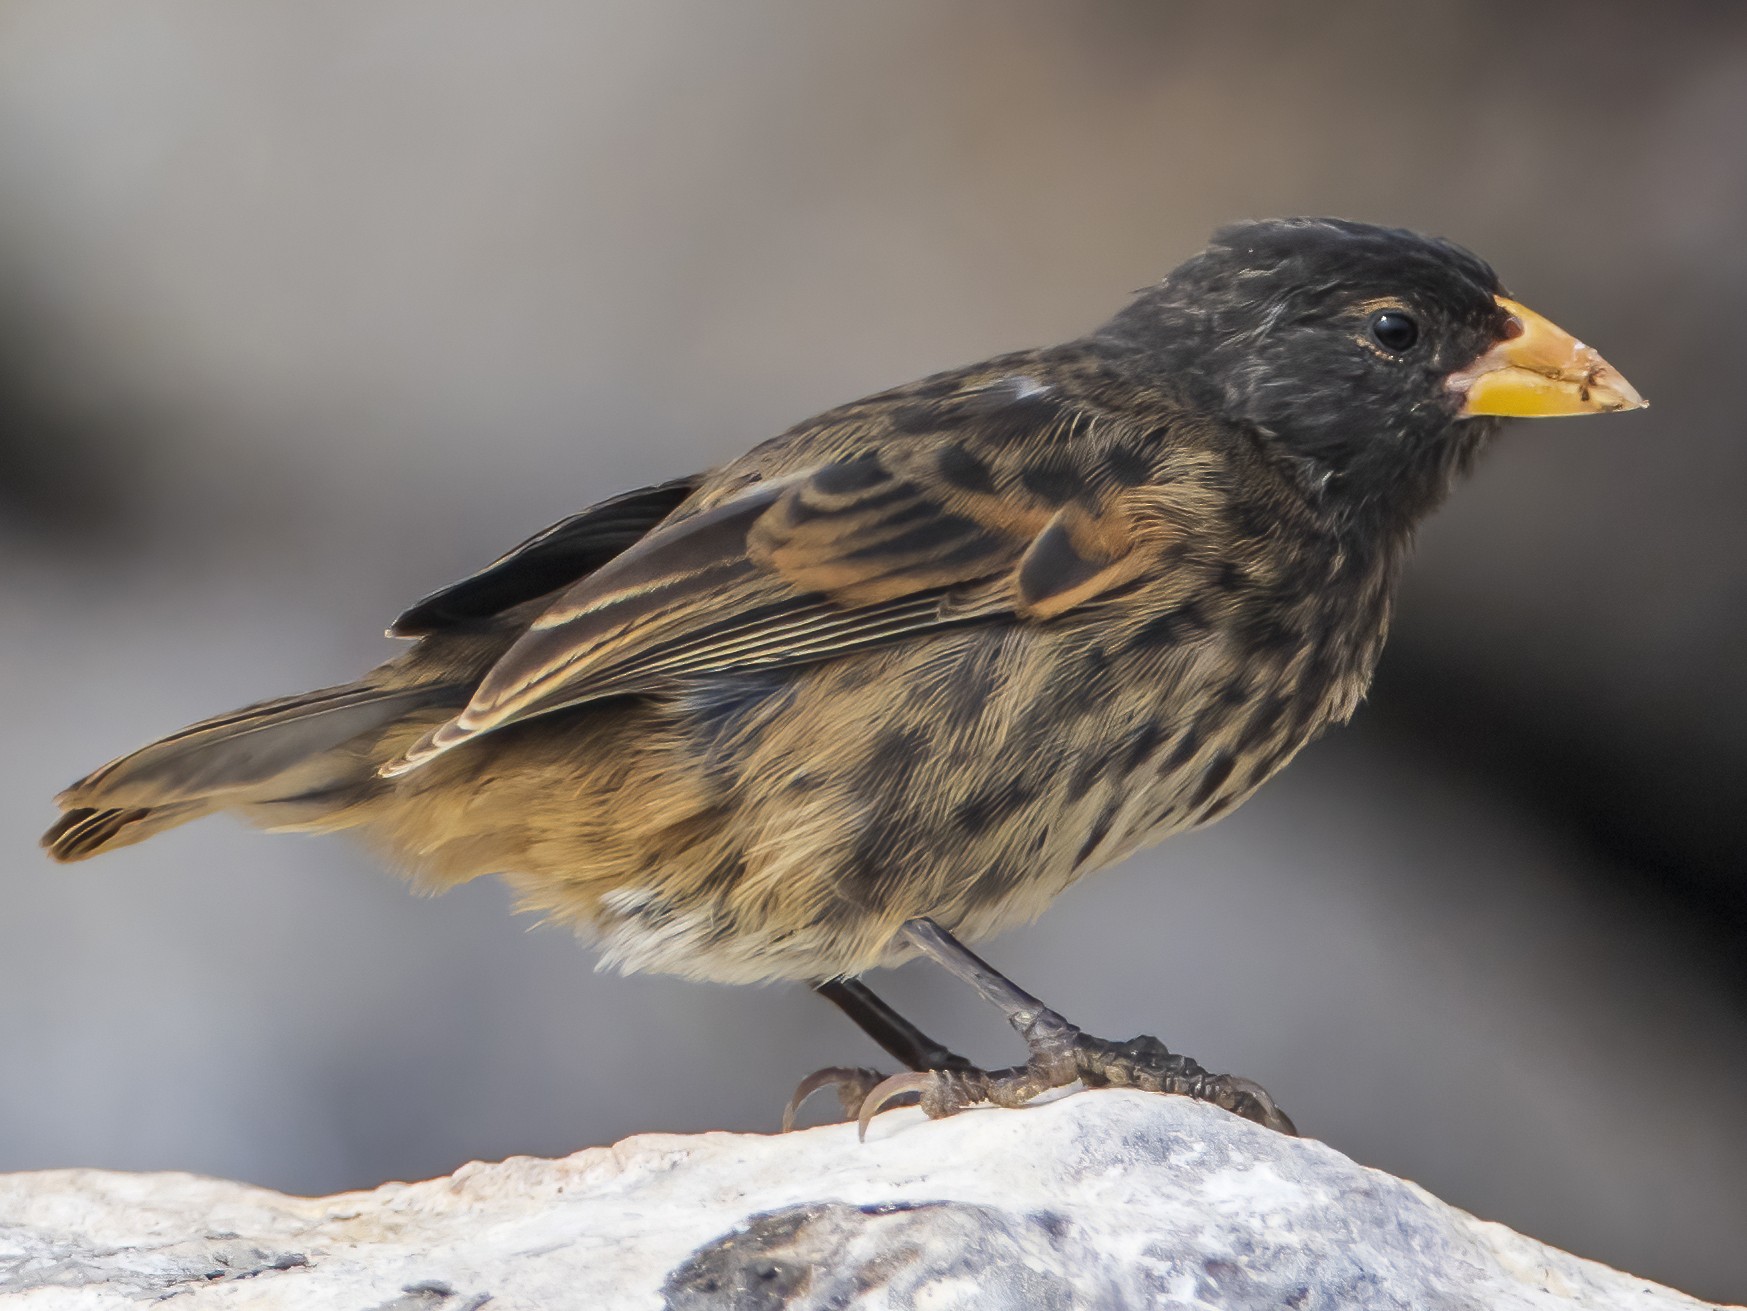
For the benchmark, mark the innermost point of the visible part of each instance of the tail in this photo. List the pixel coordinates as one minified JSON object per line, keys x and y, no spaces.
{"x":84,"y":830}
{"x":287,"y":763}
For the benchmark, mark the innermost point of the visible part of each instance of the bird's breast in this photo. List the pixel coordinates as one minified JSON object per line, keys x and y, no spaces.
{"x":1221,"y":690}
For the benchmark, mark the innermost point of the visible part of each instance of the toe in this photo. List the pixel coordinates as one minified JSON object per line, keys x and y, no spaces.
{"x":888,"y":1090}
{"x":1254,"y":1102}
{"x":852,"y":1084}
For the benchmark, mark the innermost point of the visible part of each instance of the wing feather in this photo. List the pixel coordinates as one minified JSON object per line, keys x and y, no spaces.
{"x":547,"y":561}
{"x":853,"y":553}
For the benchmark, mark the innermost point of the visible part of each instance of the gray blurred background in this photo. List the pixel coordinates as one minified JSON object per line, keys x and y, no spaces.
{"x":307,"y":308}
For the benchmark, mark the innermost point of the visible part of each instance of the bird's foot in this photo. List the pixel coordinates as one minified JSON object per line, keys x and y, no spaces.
{"x":1060,"y":1055}
{"x":856,"y":1084}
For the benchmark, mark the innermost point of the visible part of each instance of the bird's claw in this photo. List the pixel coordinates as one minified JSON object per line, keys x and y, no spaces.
{"x":911,"y":1081}
{"x":851,"y":1081}
{"x":1254,"y":1102}
{"x":944,"y":1092}
{"x":939,"y":1093}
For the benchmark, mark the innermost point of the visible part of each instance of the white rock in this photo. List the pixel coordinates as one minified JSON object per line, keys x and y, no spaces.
{"x":1102,"y":1199}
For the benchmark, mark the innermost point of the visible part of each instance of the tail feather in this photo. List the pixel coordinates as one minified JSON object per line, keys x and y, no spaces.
{"x":85,"y":831}
{"x":312,"y":745}
{"x":236,"y":752}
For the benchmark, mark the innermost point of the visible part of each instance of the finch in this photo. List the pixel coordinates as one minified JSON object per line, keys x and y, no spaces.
{"x":902,"y":674}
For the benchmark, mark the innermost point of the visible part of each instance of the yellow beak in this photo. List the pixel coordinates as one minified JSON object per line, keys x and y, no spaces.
{"x":1539,"y":369}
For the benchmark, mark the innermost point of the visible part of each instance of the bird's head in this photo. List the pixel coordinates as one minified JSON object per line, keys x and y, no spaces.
{"x":1374,"y":362}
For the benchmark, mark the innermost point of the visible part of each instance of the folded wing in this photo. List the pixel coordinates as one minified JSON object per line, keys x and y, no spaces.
{"x":568,"y":550}
{"x":854,"y":553}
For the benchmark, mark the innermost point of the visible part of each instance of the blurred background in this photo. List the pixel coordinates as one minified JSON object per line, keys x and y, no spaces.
{"x":306,"y":309}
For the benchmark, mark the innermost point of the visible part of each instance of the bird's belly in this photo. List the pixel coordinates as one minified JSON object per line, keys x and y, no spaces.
{"x":785,"y":824}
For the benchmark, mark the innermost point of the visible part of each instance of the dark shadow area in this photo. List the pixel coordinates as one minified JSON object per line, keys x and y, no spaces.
{"x":69,"y":476}
{"x":1661,"y":817}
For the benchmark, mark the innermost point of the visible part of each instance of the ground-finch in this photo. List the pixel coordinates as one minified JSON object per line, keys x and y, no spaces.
{"x":916,"y":665}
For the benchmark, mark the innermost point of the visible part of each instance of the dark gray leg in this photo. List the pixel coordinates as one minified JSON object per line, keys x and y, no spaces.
{"x":906,"y":1044}
{"x":1024,"y":1012}
{"x":1061,"y":1053}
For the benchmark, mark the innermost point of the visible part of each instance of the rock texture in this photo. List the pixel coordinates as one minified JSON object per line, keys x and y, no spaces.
{"x":1102,"y":1199}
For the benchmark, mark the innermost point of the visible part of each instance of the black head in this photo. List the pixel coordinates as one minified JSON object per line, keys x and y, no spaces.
{"x":1335,"y":342}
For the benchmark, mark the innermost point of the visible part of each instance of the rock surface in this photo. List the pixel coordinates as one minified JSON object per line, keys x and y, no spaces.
{"x":1104,"y":1199}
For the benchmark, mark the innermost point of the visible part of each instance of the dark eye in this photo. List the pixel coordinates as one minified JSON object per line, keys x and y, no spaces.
{"x":1394,"y":331}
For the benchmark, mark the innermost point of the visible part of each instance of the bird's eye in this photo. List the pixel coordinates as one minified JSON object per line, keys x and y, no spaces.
{"x":1394,"y":331}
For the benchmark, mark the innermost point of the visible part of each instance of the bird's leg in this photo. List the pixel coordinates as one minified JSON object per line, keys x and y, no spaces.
{"x":1060,"y":1054}
{"x":901,"y":1039}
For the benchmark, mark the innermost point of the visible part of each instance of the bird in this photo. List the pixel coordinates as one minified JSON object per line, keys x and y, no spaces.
{"x":891,"y":681}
